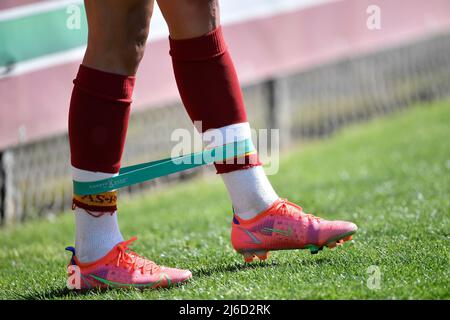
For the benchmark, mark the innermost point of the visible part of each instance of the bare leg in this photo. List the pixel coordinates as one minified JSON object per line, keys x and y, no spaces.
{"x":190,"y":18}
{"x":118,"y":33}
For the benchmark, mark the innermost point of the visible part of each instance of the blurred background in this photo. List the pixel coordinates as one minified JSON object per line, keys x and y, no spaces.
{"x":307,"y":67}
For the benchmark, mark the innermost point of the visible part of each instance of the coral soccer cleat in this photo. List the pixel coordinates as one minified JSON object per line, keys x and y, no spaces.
{"x":285,"y":226}
{"x":122,"y":268}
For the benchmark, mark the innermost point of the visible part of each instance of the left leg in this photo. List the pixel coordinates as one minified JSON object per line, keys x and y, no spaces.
{"x":189,"y":19}
{"x":210,"y":91}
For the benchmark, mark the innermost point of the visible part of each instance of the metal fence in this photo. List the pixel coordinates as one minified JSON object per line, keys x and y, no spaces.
{"x":35,"y":178}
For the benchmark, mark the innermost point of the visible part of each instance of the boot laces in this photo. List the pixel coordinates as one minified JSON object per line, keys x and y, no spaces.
{"x":131,"y":259}
{"x":288,"y":210}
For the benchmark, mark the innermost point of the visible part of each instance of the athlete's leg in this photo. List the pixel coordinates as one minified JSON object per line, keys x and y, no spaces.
{"x":190,"y":18}
{"x":211,"y":93}
{"x":99,"y":112}
{"x":98,"y":121}
{"x":118,"y":33}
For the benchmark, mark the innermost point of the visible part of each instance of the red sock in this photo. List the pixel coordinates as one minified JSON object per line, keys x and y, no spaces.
{"x":209,"y":87}
{"x":98,"y":119}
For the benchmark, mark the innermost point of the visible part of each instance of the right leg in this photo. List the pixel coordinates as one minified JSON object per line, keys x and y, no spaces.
{"x":211,"y":93}
{"x":98,"y":121}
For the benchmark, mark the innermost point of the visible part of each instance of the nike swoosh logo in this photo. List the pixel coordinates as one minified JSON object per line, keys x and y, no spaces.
{"x":252,"y":236}
{"x":286,"y":233}
{"x":135,"y":285}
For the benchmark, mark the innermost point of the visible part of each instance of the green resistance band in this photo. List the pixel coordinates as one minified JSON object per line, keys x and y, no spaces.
{"x":159,"y":168}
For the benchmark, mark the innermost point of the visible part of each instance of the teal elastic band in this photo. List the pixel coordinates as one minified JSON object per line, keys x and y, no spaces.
{"x":159,"y":168}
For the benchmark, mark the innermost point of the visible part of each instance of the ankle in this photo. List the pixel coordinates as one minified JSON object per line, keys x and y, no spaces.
{"x":95,"y":236}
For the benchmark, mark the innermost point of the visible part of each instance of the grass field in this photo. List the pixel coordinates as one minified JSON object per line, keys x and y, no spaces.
{"x":391,"y":176}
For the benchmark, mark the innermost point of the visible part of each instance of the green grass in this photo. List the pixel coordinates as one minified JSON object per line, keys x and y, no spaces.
{"x":391,"y":176}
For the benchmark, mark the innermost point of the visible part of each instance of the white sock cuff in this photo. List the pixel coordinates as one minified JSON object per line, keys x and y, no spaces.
{"x":213,"y":138}
{"x":250,"y":191}
{"x":88,"y":176}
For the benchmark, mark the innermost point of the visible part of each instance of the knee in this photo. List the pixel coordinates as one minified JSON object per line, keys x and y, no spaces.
{"x":119,"y":46}
{"x":190,"y":18}
{"x":199,"y":11}
{"x":130,"y":51}
{"x":134,"y":39}
{"x":197,"y":5}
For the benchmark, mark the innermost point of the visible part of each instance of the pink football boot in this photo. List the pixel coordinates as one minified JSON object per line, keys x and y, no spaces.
{"x":122,"y":268}
{"x":285,"y":226}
